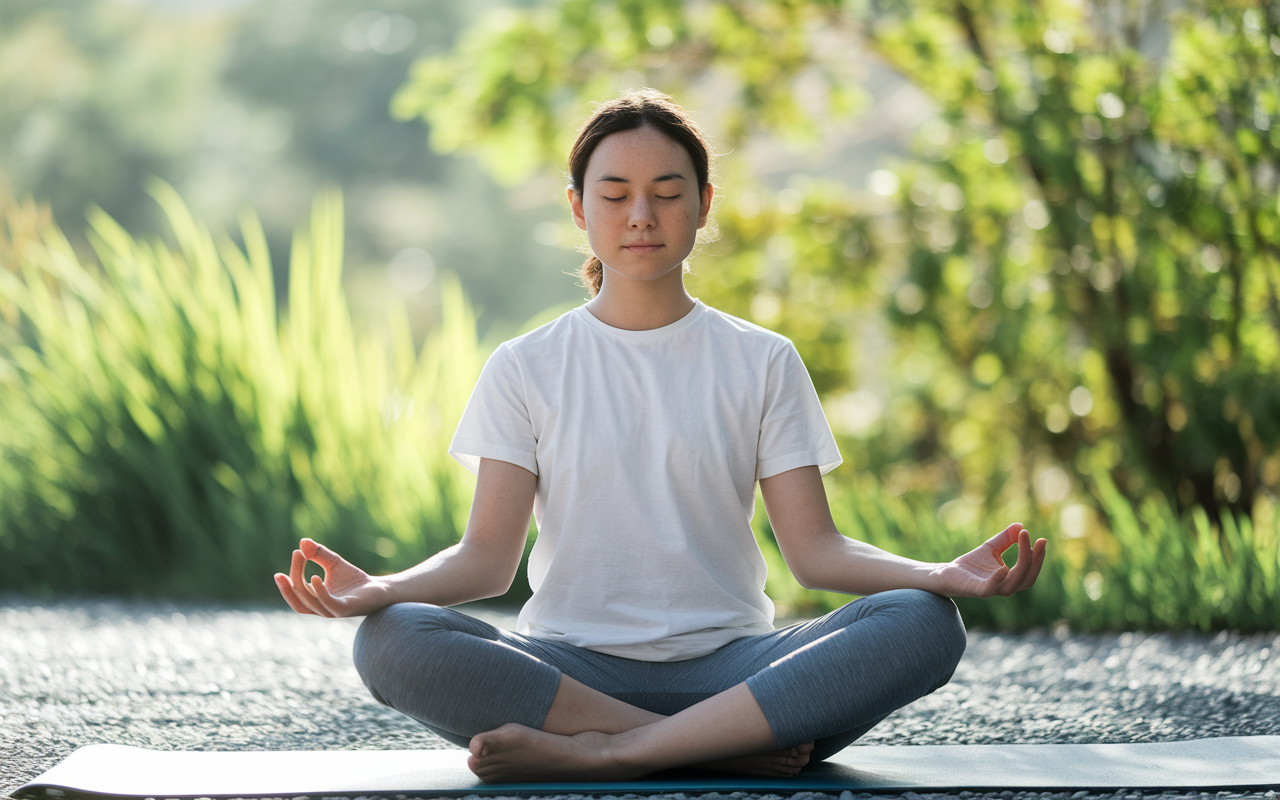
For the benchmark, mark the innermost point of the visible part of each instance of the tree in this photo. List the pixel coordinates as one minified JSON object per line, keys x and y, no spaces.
{"x":1080,"y":265}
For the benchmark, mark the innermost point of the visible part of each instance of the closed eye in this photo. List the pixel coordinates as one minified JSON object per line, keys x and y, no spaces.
{"x":668,"y":197}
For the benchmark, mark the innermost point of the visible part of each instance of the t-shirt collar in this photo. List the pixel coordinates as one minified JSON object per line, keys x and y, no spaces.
{"x":644,"y":336}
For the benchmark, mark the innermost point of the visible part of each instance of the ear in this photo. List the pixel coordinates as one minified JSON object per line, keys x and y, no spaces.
{"x":575,"y":206}
{"x":705,"y":207}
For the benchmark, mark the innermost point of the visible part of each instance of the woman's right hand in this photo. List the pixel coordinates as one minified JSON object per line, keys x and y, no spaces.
{"x":345,"y":591}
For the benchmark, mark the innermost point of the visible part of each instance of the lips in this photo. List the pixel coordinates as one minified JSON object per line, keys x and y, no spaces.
{"x":641,"y":247}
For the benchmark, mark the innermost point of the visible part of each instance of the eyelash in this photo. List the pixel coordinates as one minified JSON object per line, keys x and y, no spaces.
{"x":659,"y":196}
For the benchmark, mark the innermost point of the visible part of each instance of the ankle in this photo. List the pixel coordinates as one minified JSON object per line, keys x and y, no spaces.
{"x":625,"y":752}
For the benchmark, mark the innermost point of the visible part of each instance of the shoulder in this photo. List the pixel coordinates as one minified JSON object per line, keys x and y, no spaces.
{"x":549,"y":335}
{"x":728,"y":328}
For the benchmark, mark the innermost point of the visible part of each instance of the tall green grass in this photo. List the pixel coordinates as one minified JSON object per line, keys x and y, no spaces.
{"x":165,"y":429}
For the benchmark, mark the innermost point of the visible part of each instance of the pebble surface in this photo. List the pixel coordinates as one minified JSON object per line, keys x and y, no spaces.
{"x":205,"y":677}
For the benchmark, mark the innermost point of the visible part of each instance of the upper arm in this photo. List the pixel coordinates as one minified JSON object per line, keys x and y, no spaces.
{"x":796,"y":502}
{"x":500,"y":512}
{"x":793,"y":428}
{"x":497,"y":422}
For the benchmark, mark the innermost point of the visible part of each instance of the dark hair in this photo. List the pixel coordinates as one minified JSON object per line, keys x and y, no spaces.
{"x":628,"y":112}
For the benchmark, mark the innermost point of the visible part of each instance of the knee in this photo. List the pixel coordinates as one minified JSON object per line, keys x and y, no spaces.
{"x":938,"y":624}
{"x":385,"y":635}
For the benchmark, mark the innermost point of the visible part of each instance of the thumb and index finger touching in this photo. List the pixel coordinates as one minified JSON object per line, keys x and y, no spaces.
{"x":309,"y":596}
{"x":1005,"y":539}
{"x":1030,"y":557}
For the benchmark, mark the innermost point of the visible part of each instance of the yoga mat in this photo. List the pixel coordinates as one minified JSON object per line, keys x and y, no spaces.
{"x":105,"y":770}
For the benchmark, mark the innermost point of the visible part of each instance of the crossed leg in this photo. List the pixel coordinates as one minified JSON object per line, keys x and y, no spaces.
{"x":531,"y":709}
{"x":597,"y":738}
{"x":578,"y":710}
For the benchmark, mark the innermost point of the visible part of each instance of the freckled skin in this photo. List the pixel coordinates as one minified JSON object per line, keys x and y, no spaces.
{"x":640,"y":206}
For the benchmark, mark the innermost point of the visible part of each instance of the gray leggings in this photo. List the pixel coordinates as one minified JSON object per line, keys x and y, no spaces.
{"x":826,"y":681}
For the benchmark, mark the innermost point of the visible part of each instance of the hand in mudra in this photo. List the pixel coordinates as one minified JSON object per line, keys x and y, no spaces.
{"x":982,"y":572}
{"x":346,"y":591}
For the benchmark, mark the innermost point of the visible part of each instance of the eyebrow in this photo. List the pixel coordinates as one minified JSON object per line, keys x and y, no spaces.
{"x":670,"y":176}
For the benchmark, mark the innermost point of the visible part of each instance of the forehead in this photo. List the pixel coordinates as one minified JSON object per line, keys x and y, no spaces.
{"x":639,"y":154}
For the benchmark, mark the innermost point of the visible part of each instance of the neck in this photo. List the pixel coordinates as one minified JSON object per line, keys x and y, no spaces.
{"x":641,"y":305}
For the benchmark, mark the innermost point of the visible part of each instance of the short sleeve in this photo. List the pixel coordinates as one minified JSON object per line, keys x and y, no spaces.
{"x":793,"y":429}
{"x":496,"y":423}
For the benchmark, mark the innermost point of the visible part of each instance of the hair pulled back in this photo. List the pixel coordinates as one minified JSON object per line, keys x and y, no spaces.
{"x":625,"y":113}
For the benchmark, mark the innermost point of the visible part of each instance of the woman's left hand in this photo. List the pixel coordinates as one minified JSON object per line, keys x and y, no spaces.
{"x":982,"y":572}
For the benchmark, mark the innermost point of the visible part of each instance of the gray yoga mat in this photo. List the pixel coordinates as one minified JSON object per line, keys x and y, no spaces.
{"x":105,"y":770}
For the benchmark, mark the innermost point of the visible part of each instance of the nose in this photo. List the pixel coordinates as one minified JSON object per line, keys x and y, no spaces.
{"x":642,"y":214}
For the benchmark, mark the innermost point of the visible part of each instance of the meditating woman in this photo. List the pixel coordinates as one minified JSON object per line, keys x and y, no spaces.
{"x":635,"y":429}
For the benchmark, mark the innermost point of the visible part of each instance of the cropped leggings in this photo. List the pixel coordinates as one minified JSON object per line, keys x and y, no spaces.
{"x":826,"y":681}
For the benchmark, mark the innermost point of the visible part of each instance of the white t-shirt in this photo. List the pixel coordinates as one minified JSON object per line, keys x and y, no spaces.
{"x":647,"y":446}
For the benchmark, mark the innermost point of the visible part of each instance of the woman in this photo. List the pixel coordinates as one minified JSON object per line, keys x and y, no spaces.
{"x":635,"y":429}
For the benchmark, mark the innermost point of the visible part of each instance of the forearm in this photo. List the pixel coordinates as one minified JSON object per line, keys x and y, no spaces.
{"x":819,"y":556}
{"x":457,"y":574}
{"x":484,"y":563}
{"x":836,"y":563}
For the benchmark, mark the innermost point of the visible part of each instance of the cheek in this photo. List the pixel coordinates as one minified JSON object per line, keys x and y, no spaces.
{"x":689,"y":218}
{"x":600,"y":213}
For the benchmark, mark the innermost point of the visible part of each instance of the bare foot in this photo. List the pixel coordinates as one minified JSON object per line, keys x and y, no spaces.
{"x":517,"y":753}
{"x":778,"y":764}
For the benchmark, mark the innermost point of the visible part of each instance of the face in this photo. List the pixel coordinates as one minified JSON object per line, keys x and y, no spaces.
{"x":640,"y":204}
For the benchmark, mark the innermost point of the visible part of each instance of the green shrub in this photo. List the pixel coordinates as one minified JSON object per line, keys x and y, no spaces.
{"x":164,"y":429}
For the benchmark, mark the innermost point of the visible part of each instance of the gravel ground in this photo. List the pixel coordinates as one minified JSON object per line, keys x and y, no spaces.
{"x":171,"y":676}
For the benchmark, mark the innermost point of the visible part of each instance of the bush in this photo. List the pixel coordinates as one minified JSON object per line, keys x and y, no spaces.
{"x":165,"y":430}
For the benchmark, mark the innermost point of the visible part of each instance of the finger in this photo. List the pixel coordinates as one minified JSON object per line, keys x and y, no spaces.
{"x":290,"y":597}
{"x":332,"y":606}
{"x":1034,"y":561}
{"x":993,"y":584}
{"x":1037,"y":561}
{"x":1003,"y":540}
{"x":320,"y":554}
{"x":1022,"y":566}
{"x":301,"y":587}
{"x":297,"y":564}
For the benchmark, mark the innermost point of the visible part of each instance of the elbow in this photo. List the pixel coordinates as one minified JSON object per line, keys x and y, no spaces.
{"x":501,"y":581}
{"x":815,"y":560}
{"x":811,"y":584}
{"x":808,"y":584}
{"x":806,"y":576}
{"x":493,"y":585}
{"x":488,"y":571}
{"x":499,"y":588}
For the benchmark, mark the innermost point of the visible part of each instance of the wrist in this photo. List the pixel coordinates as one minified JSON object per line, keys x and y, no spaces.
{"x":388,"y":589}
{"x":933,"y":576}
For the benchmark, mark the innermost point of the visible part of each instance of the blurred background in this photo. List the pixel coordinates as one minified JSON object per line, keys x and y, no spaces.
{"x":253,"y":255}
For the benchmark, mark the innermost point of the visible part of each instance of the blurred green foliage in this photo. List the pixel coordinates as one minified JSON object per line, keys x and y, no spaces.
{"x":165,"y":430}
{"x":1063,"y":308}
{"x":262,"y":104}
{"x":1148,"y":569}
